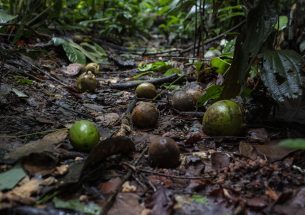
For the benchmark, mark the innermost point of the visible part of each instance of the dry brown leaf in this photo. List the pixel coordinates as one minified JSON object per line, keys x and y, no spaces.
{"x":47,"y":144}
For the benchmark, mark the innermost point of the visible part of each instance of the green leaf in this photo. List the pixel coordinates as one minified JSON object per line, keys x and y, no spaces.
{"x":74,"y":204}
{"x":213,"y":92}
{"x":221,"y":66}
{"x":172,"y":71}
{"x":58,"y":41}
{"x":199,"y":199}
{"x":74,"y":55}
{"x":158,"y":66}
{"x":298,"y":144}
{"x":282,"y":23}
{"x":281,"y":74}
{"x":10,"y":178}
{"x":5,"y":17}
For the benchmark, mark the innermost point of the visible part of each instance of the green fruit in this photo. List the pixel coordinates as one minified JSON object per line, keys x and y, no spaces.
{"x":223,"y":118}
{"x":84,"y":135}
{"x":146,"y":90}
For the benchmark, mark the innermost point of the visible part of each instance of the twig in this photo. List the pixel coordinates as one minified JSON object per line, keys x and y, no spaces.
{"x":110,"y":200}
{"x":173,"y":176}
{"x":132,"y":84}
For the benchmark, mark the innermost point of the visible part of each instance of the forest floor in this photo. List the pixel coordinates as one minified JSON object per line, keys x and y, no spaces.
{"x":41,"y":173}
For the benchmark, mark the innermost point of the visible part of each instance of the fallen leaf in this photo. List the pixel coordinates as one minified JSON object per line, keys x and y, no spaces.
{"x":258,"y":135}
{"x":219,"y":160}
{"x":108,"y":119}
{"x":10,"y":178}
{"x":74,"y":204}
{"x":247,"y":150}
{"x":198,"y":204}
{"x":272,"y":151}
{"x":127,"y":187}
{"x":39,"y":163}
{"x":47,"y":144}
{"x":23,"y":193}
{"x":127,"y":204}
{"x":110,"y":186}
{"x":161,"y":202}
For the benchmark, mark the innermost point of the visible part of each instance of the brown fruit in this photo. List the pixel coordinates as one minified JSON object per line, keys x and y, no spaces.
{"x":145,"y":115}
{"x":93,"y":67}
{"x":86,"y":82}
{"x":195,"y":94}
{"x":163,"y":152}
{"x":182,"y":101}
{"x":223,"y":118}
{"x":146,"y":90}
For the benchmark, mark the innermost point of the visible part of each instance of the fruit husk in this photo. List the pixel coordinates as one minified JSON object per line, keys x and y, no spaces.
{"x":223,"y":118}
{"x":145,"y":115}
{"x":86,"y":82}
{"x":163,"y":152}
{"x":93,"y":67}
{"x":146,"y":90}
{"x":182,"y":101}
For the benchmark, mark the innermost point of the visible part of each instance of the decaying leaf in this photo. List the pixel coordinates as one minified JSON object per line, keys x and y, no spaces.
{"x":47,"y":144}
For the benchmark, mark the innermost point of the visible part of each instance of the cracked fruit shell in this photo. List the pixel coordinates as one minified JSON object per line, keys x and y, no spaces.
{"x":84,"y":135}
{"x":223,"y":118}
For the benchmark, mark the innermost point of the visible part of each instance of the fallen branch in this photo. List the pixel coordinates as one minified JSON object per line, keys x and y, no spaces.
{"x":155,"y":81}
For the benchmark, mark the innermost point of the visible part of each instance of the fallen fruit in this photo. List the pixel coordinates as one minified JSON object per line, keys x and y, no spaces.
{"x":145,"y":115}
{"x":93,"y":67}
{"x":163,"y":152}
{"x":146,"y":90}
{"x":74,"y":69}
{"x":86,"y":82}
{"x":223,"y":118}
{"x":84,"y":135}
{"x":182,"y":101}
{"x":195,"y":94}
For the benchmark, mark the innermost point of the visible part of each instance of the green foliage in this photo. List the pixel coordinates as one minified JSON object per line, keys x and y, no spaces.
{"x":199,"y":199}
{"x":158,"y":66}
{"x":5,"y":17}
{"x":220,"y":65}
{"x":78,"y":53}
{"x":281,"y":74}
{"x":297,"y":144}
{"x":212,"y":92}
{"x":258,"y":28}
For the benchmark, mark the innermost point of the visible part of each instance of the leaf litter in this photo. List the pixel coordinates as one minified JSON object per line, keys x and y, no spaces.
{"x":217,"y":175}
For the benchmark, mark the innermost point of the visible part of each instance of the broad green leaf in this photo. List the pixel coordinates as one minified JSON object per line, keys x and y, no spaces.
{"x":199,"y":199}
{"x":88,"y":209}
{"x":5,"y":17}
{"x":10,"y":178}
{"x":297,"y":144}
{"x":281,"y":74}
{"x":221,"y":66}
{"x":213,"y":92}
{"x":282,"y":23}
{"x":73,"y":54}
